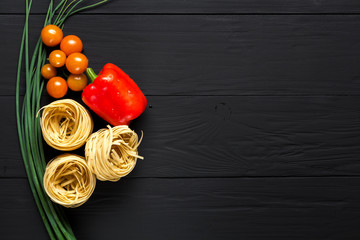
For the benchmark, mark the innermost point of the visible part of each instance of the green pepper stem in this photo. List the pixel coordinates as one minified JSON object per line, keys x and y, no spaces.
{"x":91,"y":74}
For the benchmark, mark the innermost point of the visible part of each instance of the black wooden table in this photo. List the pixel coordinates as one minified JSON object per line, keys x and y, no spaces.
{"x":253,"y":130}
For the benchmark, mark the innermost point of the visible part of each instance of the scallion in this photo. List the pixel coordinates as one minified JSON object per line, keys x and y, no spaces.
{"x":28,"y":124}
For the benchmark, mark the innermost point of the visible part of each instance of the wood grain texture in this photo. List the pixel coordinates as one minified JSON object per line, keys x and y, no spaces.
{"x":213,"y":55}
{"x":256,"y":208}
{"x":232,"y":136}
{"x":19,"y":217}
{"x":253,"y":130}
{"x":203,"y":6}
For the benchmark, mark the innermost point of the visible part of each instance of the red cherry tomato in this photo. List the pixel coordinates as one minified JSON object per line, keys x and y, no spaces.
{"x":48,"y":71}
{"x":71,"y":44}
{"x":77,"y":63}
{"x":57,"y":58}
{"x":77,"y":82}
{"x":57,"y":87}
{"x":51,"y":35}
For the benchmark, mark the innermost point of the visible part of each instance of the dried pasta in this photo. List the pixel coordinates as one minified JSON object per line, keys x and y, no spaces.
{"x":66,"y":124}
{"x":111,"y":153}
{"x":68,"y":180}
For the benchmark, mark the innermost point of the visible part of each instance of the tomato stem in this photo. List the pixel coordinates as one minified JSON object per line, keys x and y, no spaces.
{"x":91,"y":74}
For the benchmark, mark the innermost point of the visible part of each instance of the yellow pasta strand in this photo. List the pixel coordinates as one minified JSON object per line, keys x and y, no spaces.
{"x":68,"y":180}
{"x":111,"y":153}
{"x":66,"y":124}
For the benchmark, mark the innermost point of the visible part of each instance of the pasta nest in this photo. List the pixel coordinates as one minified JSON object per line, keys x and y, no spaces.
{"x":68,"y":180}
{"x":111,"y":153}
{"x":66,"y":124}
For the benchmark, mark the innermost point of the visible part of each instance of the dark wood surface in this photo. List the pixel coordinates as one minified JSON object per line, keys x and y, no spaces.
{"x":253,"y":130}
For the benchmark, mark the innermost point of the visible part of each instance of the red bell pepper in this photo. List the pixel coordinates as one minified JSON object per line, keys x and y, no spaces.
{"x":114,"y":96}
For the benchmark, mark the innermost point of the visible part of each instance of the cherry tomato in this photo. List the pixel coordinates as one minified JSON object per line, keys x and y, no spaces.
{"x":56,"y":87}
{"x":77,"y":63}
{"x":51,"y":35}
{"x":57,"y":58}
{"x":48,"y":71}
{"x":71,"y":44}
{"x":77,"y":82}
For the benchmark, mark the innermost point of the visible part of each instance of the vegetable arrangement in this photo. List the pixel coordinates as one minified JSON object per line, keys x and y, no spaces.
{"x":114,"y":96}
{"x":70,"y":56}
{"x":110,"y":153}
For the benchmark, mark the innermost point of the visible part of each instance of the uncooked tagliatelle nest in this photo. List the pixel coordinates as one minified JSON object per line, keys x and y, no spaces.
{"x":65,"y":124}
{"x":68,"y":180}
{"x":111,"y":153}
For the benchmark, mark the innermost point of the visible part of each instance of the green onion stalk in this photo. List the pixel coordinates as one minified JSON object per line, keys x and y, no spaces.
{"x":28,"y":123}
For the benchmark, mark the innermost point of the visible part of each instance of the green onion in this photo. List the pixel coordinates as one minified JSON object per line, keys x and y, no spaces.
{"x":28,"y":123}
